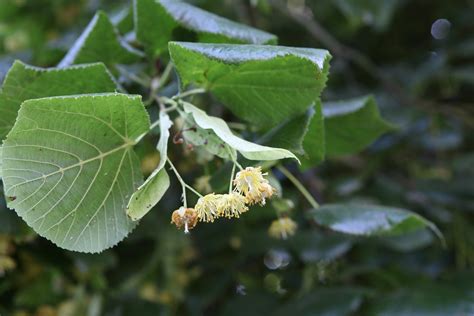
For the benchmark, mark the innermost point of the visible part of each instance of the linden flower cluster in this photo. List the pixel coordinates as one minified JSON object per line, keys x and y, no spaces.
{"x":212,"y":206}
{"x":251,"y":183}
{"x":250,"y":187}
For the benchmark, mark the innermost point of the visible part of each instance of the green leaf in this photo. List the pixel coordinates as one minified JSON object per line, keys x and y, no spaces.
{"x":313,"y":246}
{"x":315,"y":139}
{"x":289,"y":134}
{"x":324,"y":301}
{"x":100,"y":42}
{"x":262,"y":84}
{"x":123,"y":20}
{"x":303,"y":135}
{"x":249,"y":150}
{"x":156,"y":23}
{"x":69,"y":167}
{"x":352,"y":125}
{"x":46,"y":288}
{"x":25,"y":82}
{"x":439,"y":298}
{"x":369,"y":220}
{"x":1,"y":160}
{"x":151,"y":192}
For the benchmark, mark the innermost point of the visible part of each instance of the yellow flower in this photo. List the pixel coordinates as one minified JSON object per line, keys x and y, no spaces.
{"x":186,"y":217}
{"x":207,"y":207}
{"x":232,"y":205}
{"x":282,"y":228}
{"x":251,"y":183}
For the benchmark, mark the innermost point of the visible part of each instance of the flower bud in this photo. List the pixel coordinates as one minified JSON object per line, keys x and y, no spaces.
{"x":282,"y":228}
{"x":187,"y":217}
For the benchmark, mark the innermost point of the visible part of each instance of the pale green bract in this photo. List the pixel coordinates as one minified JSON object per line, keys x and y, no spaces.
{"x":205,"y":139}
{"x":249,"y":150}
{"x":151,"y":192}
{"x":69,"y":168}
{"x":262,"y":84}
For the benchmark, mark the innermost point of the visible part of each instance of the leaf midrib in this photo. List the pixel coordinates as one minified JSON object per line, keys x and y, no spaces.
{"x":101,"y":156}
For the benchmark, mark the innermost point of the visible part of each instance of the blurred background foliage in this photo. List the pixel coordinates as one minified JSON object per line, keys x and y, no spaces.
{"x":417,"y":57}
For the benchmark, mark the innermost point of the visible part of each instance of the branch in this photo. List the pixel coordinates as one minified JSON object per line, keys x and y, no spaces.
{"x":305,"y":18}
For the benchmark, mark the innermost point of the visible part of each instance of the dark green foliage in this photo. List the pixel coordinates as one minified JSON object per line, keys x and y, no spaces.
{"x":379,"y":115}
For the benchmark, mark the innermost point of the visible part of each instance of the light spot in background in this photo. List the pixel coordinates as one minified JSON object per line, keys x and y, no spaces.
{"x":277,"y":259}
{"x":240,"y":289}
{"x":368,"y":18}
{"x":440,"y":29}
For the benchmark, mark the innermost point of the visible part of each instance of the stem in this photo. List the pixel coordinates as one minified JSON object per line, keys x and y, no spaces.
{"x":166,"y":74}
{"x":231,"y":178}
{"x":166,"y":100}
{"x":155,"y":87}
{"x":184,"y":185}
{"x":154,"y":124}
{"x":234,"y":159}
{"x":299,"y":186}
{"x":189,"y":93}
{"x":171,"y":108}
{"x":181,"y":181}
{"x":190,"y":188}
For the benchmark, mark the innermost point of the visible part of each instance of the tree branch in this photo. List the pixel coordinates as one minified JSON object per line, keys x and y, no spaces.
{"x":305,"y":18}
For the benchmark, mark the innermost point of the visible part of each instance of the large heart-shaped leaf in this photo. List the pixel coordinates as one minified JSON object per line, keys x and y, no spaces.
{"x":351,"y":125}
{"x":25,"y":82}
{"x":249,"y":150}
{"x":69,"y":168}
{"x":151,"y":192}
{"x":262,"y":84}
{"x":369,"y":220}
{"x":156,"y":23}
{"x":100,"y":42}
